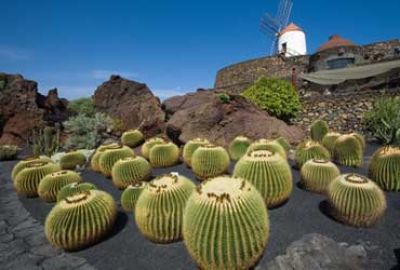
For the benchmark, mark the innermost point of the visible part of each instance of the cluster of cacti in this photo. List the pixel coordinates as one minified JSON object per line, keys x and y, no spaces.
{"x":164,"y":155}
{"x":149,"y":144}
{"x":130,"y":171}
{"x":238,"y":147}
{"x":270,"y":145}
{"x":8,"y":152}
{"x":27,"y":181}
{"x":130,"y":196}
{"x":72,"y":160}
{"x":81,"y":220}
{"x":52,"y":183}
{"x":94,"y":161}
{"x":132,"y":138}
{"x":190,"y":147}
{"x":269,"y":173}
{"x":159,"y":209}
{"x":111,"y":155}
{"x":210,"y":161}
{"x":318,"y":130}
{"x":23,"y":163}
{"x":329,"y":141}
{"x":44,"y":141}
{"x":349,"y":151}
{"x":73,"y":189}
{"x":310,"y":150}
{"x":317,"y":174}
{"x":283,"y":142}
{"x":384,"y":168}
{"x":225,"y":224}
{"x":356,"y":200}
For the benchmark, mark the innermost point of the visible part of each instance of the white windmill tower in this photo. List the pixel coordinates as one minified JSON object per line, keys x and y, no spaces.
{"x":287,"y":39}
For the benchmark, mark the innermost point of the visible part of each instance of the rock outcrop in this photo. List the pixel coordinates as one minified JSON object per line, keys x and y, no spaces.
{"x":23,"y":108}
{"x":131,"y":102}
{"x":204,"y":114}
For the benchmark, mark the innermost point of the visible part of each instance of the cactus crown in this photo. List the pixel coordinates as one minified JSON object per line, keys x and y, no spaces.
{"x":353,"y":179}
{"x":77,"y":199}
{"x":137,"y":186}
{"x":199,"y":140}
{"x":390,"y":150}
{"x":59,"y":173}
{"x":320,"y":161}
{"x":37,"y":163}
{"x":259,"y":155}
{"x":164,"y":183}
{"x":242,"y":138}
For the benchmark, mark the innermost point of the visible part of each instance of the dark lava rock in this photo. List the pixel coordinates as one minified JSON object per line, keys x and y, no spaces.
{"x":22,"y":108}
{"x":203,"y":114}
{"x":131,"y":102}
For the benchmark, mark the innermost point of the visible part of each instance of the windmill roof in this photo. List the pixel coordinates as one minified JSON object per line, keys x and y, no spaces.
{"x":334,"y":42}
{"x":290,"y":28}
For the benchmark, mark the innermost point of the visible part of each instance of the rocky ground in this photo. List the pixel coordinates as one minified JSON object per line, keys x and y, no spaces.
{"x":303,"y":235}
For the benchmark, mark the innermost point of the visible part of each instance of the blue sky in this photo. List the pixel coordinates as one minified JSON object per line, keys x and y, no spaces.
{"x":174,"y":46}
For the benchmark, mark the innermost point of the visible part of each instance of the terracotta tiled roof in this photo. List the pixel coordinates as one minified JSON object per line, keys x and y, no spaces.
{"x":335,"y":41}
{"x":291,"y":27}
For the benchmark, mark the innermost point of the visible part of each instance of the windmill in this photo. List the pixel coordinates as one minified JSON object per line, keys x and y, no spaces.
{"x":272,"y":26}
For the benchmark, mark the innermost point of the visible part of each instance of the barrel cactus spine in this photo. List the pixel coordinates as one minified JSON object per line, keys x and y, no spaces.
{"x":71,"y":160}
{"x":81,"y":220}
{"x":269,"y":173}
{"x":52,"y":183}
{"x":384,"y":168}
{"x":360,"y":139}
{"x":130,"y":196}
{"x":269,"y":145}
{"x":318,"y":130}
{"x":356,"y":200}
{"x":283,"y":142}
{"x":159,"y":209}
{"x":132,"y":138}
{"x":238,"y":147}
{"x":149,"y":144}
{"x":164,"y":155}
{"x":310,"y":150}
{"x":349,"y":151}
{"x":329,"y":141}
{"x":94,"y":161}
{"x":130,"y":171}
{"x":210,"y":161}
{"x":190,"y":147}
{"x":317,"y":174}
{"x":227,"y":216}
{"x":73,"y":189}
{"x":109,"y":157}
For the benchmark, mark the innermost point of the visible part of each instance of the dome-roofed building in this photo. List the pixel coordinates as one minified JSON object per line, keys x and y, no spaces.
{"x":292,"y":41}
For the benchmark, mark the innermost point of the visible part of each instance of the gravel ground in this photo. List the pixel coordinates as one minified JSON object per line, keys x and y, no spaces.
{"x":304,"y":213}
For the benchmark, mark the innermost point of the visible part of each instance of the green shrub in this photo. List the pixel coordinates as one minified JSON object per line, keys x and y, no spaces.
{"x":383,"y":120}
{"x":44,"y":141}
{"x":277,"y":97}
{"x":224,"y":98}
{"x":83,"y":106}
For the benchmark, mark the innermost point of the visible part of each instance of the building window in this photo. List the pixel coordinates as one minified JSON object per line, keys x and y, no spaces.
{"x":284,"y":47}
{"x":340,"y":62}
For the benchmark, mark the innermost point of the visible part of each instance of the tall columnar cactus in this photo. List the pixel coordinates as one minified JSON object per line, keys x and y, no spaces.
{"x":130,"y":196}
{"x":348,"y":151}
{"x":164,"y":155}
{"x":111,"y":155}
{"x":27,"y":180}
{"x":149,"y":144}
{"x":94,"y":162}
{"x":310,"y":150}
{"x":317,"y":174}
{"x":210,"y":161}
{"x":23,"y":163}
{"x":329,"y":141}
{"x":384,"y":168}
{"x":52,"y":183}
{"x":356,"y":200}
{"x":238,"y":147}
{"x":81,"y":220}
{"x":270,"y":145}
{"x":284,"y":143}
{"x":132,"y":138}
{"x":225,"y":224}
{"x":71,"y":160}
{"x":159,"y":209}
{"x":190,"y":147}
{"x":269,"y":173}
{"x":130,"y":171}
{"x":318,"y":130}
{"x":73,"y":189}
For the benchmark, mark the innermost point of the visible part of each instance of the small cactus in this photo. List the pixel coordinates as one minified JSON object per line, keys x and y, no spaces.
{"x":397,"y":137}
{"x":319,"y":129}
{"x":130,"y":196}
{"x":81,"y":220}
{"x":308,"y":150}
{"x":94,"y":161}
{"x":356,"y":200}
{"x":130,"y":171}
{"x":238,"y":147}
{"x":317,"y":174}
{"x":27,"y":180}
{"x":159,"y":209}
{"x":149,"y":144}
{"x":8,"y":152}
{"x":73,"y":189}
{"x":164,"y":155}
{"x":210,"y":161}
{"x":52,"y":183}
{"x":384,"y":168}
{"x":23,"y":163}
{"x":329,"y":141}
{"x":269,"y":173}
{"x":190,"y":147}
{"x":111,"y":155}
{"x":225,"y":224}
{"x":72,"y":160}
{"x":349,"y":151}
{"x":269,"y":145}
{"x":132,"y":138}
{"x":284,"y":143}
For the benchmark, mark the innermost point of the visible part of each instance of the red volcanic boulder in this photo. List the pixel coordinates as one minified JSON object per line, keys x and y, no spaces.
{"x":131,"y":102}
{"x":203,"y":114}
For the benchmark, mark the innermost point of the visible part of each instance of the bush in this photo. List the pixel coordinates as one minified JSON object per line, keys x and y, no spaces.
{"x":224,"y":98}
{"x":83,"y":106}
{"x":277,"y":97}
{"x":383,"y":120}
{"x":44,"y":141}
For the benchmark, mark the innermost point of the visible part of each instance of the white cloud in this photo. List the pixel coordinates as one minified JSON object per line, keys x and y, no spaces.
{"x":14,"y":54}
{"x":103,"y":74}
{"x":166,"y":93}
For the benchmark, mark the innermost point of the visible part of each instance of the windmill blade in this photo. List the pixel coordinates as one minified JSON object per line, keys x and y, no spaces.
{"x":268,"y":29}
{"x":271,"y":21}
{"x":284,"y":11}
